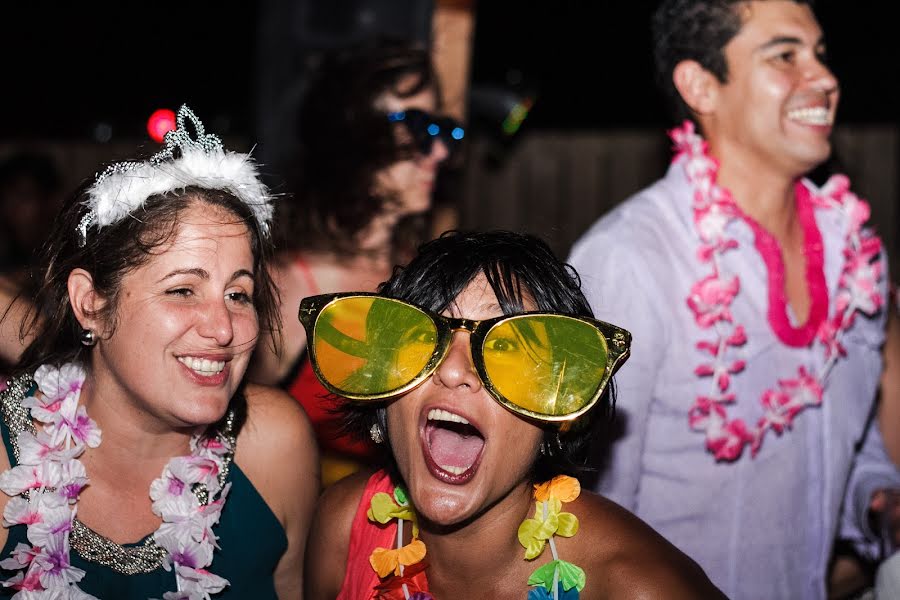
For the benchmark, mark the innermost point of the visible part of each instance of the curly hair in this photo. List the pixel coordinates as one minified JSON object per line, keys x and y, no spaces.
{"x":344,"y":140}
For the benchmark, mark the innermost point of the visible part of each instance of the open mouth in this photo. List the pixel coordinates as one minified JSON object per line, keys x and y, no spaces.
{"x":453,"y":446}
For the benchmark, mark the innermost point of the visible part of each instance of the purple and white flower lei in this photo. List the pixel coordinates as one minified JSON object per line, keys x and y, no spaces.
{"x":53,"y":477}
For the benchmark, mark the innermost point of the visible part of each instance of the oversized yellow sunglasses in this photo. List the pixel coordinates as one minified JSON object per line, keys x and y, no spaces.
{"x":542,"y":365}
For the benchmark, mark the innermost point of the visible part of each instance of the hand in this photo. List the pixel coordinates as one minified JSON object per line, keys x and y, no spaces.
{"x":885,"y":517}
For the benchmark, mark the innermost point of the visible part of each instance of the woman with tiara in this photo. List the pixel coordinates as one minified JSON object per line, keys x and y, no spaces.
{"x":138,"y":463}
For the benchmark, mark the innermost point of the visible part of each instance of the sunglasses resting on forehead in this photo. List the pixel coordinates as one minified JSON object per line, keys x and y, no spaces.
{"x":542,"y":365}
{"x":425,"y":128}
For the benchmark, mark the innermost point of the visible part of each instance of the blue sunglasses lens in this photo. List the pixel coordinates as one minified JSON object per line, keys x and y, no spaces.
{"x":424,"y":128}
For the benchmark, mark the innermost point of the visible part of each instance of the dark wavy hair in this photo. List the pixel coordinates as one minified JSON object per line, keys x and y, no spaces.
{"x":115,"y":250}
{"x":695,"y":30}
{"x":344,"y":140}
{"x":517,"y":267}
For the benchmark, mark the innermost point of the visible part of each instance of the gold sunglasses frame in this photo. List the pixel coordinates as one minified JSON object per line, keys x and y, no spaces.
{"x":616,"y":340}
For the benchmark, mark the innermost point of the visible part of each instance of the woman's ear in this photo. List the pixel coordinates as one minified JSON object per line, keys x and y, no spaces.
{"x":697,"y":86}
{"x":86,"y":303}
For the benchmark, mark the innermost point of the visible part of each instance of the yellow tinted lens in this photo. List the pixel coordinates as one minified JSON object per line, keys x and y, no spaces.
{"x":548,"y":364}
{"x":372,"y":346}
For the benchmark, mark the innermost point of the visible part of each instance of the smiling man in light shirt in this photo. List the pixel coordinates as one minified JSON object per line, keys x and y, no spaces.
{"x":756,"y":300}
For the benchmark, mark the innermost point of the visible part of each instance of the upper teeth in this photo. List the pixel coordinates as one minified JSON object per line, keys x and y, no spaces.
{"x":202,"y":365}
{"x":815,"y":116}
{"x":437,"y":414}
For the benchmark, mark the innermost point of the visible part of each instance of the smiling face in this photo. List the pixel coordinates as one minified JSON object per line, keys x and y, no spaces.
{"x":458,"y":450}
{"x":776,"y":110}
{"x":410,"y":182}
{"x":185,"y":324}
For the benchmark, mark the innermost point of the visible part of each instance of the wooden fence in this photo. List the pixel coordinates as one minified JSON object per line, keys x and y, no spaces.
{"x":556,"y":184}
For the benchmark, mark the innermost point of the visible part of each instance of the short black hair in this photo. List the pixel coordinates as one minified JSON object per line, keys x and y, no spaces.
{"x":695,"y":30}
{"x":517,"y":267}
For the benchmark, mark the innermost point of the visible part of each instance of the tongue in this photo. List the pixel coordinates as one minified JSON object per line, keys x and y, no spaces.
{"x":449,"y":448}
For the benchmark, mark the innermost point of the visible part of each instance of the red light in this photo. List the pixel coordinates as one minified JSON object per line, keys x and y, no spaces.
{"x":160,"y":122}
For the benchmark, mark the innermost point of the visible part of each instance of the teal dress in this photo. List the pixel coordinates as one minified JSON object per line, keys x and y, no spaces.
{"x":251,"y":542}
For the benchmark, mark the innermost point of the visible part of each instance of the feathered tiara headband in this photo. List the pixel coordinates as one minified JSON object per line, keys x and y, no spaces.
{"x":201,"y":161}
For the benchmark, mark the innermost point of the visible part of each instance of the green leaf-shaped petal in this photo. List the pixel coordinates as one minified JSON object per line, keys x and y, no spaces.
{"x":571,"y":575}
{"x":543,"y":575}
{"x":400,"y":495}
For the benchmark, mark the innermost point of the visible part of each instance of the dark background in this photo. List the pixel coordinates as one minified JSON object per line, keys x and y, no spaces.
{"x":70,"y":67}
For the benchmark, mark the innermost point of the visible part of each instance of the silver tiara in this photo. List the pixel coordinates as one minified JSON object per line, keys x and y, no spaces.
{"x":199,"y":161}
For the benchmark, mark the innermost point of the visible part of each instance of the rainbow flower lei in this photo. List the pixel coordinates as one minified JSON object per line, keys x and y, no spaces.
{"x":45,"y":485}
{"x":710,"y":299}
{"x":404,"y":562}
{"x":403,"y":566}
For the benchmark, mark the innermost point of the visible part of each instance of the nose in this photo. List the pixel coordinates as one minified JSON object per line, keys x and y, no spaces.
{"x":216,"y":323}
{"x":439,"y":151}
{"x":821,"y":76}
{"x":457,"y":369}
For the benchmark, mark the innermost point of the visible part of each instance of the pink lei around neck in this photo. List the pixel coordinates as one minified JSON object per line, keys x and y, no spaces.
{"x":45,"y":485}
{"x":710,"y":298}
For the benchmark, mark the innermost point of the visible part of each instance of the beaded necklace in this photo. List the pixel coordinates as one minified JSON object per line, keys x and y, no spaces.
{"x":402,"y":569}
{"x":710,"y":299}
{"x":45,"y":485}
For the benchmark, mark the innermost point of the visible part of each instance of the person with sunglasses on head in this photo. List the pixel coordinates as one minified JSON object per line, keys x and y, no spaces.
{"x":371,"y":142}
{"x":138,"y":463}
{"x":756,"y":298}
{"x":480,"y":374}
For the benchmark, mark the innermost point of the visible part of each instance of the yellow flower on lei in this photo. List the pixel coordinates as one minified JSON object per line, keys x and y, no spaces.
{"x":549,"y":520}
{"x":383,"y":509}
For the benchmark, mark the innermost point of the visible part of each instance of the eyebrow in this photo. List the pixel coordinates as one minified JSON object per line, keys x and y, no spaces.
{"x":204,"y":274}
{"x":789,"y":39}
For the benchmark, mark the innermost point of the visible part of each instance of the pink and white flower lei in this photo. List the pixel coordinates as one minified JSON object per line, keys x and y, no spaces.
{"x":710,"y":299}
{"x":53,"y":477}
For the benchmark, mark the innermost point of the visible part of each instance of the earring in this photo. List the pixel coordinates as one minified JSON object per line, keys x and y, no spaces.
{"x":375,"y":433}
{"x":88,"y":338}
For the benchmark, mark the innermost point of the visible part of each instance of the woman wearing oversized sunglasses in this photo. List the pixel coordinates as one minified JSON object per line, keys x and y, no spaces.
{"x":370,"y":149}
{"x":478,"y":371}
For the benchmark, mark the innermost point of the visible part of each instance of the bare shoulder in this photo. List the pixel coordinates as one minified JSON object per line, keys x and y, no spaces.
{"x":329,"y":537}
{"x":276,"y":448}
{"x":274,"y":419}
{"x":635,"y":561}
{"x":277,"y":452}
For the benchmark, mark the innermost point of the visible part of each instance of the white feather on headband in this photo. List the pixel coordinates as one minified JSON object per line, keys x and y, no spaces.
{"x":124,"y":187}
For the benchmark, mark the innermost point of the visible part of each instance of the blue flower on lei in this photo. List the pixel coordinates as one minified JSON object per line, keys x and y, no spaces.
{"x":542,"y":593}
